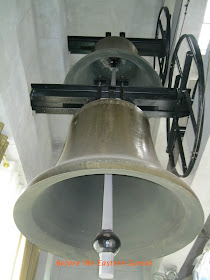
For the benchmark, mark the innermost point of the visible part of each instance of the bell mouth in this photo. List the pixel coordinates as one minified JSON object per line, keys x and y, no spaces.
{"x":132,"y":66}
{"x":155,"y":213}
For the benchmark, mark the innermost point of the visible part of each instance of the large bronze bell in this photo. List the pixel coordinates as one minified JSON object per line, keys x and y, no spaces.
{"x":154,"y":212}
{"x":130,"y":65}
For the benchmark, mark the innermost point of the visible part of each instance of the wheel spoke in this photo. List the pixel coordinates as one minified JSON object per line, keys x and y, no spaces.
{"x":181,"y":150}
{"x":177,"y":81}
{"x":171,"y":136}
{"x":168,"y":124}
{"x":161,"y":67}
{"x":186,"y":71}
{"x":192,"y":117}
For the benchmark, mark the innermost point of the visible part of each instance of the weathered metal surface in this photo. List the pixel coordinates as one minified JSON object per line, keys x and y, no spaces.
{"x":97,"y":64}
{"x":68,"y":99}
{"x":115,"y":42}
{"x":155,"y":213}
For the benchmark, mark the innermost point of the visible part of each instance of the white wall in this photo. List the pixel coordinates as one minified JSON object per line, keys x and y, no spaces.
{"x":193,"y":19}
{"x":50,"y":24}
{"x":94,"y":18}
{"x":19,"y":58}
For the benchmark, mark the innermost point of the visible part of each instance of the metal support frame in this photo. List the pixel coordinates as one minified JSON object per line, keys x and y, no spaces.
{"x":145,"y":47}
{"x":68,"y":99}
{"x":175,"y":132}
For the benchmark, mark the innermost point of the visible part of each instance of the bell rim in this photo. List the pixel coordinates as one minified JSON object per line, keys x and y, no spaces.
{"x":136,"y":169}
{"x":136,"y":59}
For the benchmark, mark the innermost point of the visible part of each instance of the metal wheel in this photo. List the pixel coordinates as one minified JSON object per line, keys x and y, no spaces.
{"x":187,"y":77}
{"x":163,"y":32}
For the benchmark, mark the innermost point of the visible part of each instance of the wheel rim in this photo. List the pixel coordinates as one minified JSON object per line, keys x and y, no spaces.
{"x":175,"y":146}
{"x":163,"y":60}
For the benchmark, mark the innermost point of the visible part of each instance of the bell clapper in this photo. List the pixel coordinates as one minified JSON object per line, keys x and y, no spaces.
{"x":106,"y":243}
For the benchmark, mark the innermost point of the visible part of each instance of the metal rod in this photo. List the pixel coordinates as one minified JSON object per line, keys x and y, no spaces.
{"x":107,"y":272}
{"x":107,"y":218}
{"x":113,"y":80}
{"x":186,"y":70}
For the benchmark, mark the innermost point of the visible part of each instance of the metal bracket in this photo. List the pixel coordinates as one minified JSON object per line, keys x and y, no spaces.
{"x":67,"y":99}
{"x":145,"y":47}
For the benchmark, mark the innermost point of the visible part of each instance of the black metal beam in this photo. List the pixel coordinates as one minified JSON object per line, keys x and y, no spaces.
{"x":145,"y":47}
{"x":67,"y":99}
